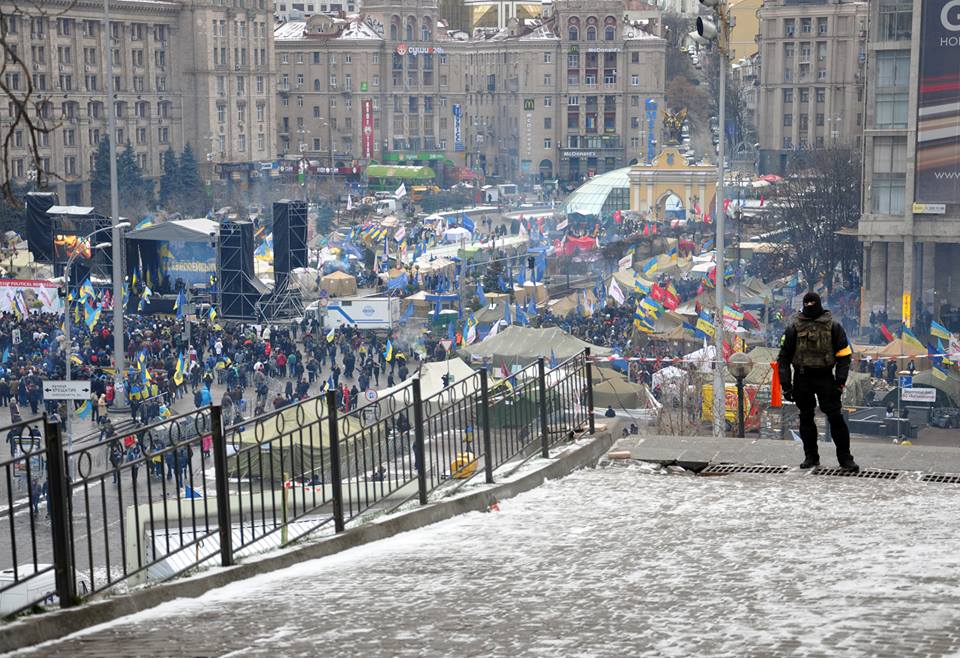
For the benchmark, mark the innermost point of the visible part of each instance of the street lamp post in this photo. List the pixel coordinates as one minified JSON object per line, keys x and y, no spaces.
{"x":119,"y":353}
{"x":720,"y":31}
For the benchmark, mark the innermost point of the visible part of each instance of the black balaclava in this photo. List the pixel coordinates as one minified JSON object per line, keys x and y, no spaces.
{"x":812,"y":307}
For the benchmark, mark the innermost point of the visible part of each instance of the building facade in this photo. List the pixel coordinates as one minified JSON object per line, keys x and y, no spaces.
{"x":910,"y":226}
{"x":175,"y":67}
{"x":812,"y":63}
{"x":564,"y":95}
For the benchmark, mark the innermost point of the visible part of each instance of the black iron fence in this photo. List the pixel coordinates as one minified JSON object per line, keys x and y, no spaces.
{"x":190,"y":491}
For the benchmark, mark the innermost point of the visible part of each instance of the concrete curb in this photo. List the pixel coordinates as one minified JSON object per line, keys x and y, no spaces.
{"x":34,"y":630}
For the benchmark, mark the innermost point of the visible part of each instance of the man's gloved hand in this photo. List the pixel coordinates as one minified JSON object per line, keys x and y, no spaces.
{"x":788,"y":394}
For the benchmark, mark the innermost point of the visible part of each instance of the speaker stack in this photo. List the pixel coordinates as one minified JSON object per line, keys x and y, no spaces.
{"x":289,"y":239}
{"x":240,"y":291}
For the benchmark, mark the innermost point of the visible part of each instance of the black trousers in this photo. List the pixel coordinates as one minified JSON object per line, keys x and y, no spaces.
{"x":809,"y":389}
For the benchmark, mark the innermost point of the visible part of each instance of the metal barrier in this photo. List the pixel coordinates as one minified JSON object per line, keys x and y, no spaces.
{"x":192,"y":491}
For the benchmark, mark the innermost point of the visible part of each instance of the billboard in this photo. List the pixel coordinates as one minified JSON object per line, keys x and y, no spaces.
{"x":194,"y":262}
{"x":458,"y":144}
{"x":366,"y":124}
{"x":938,"y":104}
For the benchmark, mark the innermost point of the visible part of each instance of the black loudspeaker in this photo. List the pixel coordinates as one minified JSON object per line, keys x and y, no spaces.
{"x":39,"y":225}
{"x":289,"y":238}
{"x":239,"y":289}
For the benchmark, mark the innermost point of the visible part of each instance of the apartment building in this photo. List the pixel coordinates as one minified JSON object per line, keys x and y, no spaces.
{"x":910,"y":226}
{"x":562,"y":95}
{"x":812,"y":62}
{"x":285,"y":10}
{"x":176,"y":66}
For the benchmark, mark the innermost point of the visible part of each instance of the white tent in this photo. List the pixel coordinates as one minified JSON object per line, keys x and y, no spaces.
{"x":456,"y":234}
{"x":431,"y":380}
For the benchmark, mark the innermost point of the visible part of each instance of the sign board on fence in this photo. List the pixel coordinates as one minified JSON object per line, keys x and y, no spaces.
{"x":906,"y":381}
{"x":918,"y":395}
{"x":371,"y":395}
{"x":63,"y":390}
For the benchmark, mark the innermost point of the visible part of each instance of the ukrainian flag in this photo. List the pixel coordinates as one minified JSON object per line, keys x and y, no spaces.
{"x":938,"y":330}
{"x":388,"y":352}
{"x":705,"y":324}
{"x":640,"y":287}
{"x":910,"y":339}
{"x":650,"y":266}
{"x":332,"y":334}
{"x":84,"y":410}
{"x":940,"y":373}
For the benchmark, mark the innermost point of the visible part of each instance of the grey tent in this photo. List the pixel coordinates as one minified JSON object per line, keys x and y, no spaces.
{"x":522,"y":345}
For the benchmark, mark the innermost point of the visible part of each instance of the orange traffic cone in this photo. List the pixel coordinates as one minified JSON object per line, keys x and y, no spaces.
{"x":776,"y":395}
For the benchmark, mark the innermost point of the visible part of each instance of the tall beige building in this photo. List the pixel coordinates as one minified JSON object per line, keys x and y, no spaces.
{"x":910,"y":226}
{"x":563,"y":95}
{"x":812,"y":62}
{"x":187,"y":71}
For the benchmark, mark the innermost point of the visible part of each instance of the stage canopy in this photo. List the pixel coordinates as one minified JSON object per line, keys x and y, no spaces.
{"x":183,"y":230}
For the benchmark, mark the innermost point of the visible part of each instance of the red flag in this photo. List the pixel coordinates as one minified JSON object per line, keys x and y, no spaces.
{"x":727,"y":350}
{"x":761,"y":200}
{"x":726,"y":204}
{"x":504,"y":371}
{"x":671,"y":301}
{"x":646,"y":229}
{"x":653,"y":229}
{"x":618,"y":216}
{"x":886,"y":333}
{"x":752,"y":320}
{"x":658,"y":293}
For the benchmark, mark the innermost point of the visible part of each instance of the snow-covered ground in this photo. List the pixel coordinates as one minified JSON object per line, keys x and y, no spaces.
{"x":609,"y":562}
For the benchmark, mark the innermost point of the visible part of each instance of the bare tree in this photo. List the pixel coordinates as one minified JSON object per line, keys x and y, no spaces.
{"x":30,"y":111}
{"x":820,"y":197}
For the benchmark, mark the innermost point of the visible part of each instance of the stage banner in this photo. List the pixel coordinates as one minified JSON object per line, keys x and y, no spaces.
{"x":194,"y":262}
{"x":366,"y":124}
{"x":938,"y":103}
{"x":37,"y":296}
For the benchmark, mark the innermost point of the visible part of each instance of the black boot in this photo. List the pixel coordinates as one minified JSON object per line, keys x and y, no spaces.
{"x":847,"y":464}
{"x":810,"y":461}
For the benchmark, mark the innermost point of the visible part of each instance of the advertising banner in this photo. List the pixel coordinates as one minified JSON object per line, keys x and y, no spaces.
{"x":457,"y":128}
{"x":31,"y":295}
{"x":651,"y":107}
{"x":366,"y":124}
{"x":938,"y":104}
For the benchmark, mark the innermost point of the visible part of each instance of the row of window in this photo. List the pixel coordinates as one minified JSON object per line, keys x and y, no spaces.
{"x":261,"y":113}
{"x":258,"y":29}
{"x":39,"y":26}
{"x":806,"y":26}
{"x":332,"y":58}
{"x":819,"y":119}
{"x":38,"y":56}
{"x":65,"y":82}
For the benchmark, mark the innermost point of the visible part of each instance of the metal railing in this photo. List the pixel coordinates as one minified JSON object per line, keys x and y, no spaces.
{"x":193,"y":491}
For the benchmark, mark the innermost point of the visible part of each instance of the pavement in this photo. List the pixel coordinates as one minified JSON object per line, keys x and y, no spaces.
{"x":773,"y":452}
{"x":616,"y":561}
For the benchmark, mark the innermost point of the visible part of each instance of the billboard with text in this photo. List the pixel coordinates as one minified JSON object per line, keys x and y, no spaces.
{"x":938,"y":104}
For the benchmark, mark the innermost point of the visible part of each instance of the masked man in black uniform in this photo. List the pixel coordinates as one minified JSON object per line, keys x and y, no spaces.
{"x":816,"y":348}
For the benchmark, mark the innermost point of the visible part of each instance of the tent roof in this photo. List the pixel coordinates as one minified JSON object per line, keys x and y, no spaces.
{"x":897,"y":347}
{"x":186,"y":230}
{"x":523,"y":345}
{"x":431,"y":379}
{"x":337,"y":275}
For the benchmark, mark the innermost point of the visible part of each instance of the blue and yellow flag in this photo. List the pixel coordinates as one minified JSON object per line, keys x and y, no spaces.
{"x":388,"y":351}
{"x":940,"y":373}
{"x":84,"y":410}
{"x":180,"y":305}
{"x":705,"y":324}
{"x":910,"y":339}
{"x":938,"y":330}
